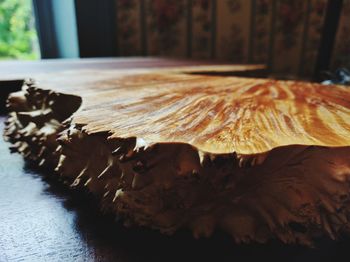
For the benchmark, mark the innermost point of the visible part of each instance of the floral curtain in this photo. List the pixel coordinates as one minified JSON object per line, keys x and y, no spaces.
{"x":284,"y":34}
{"x":341,"y":54}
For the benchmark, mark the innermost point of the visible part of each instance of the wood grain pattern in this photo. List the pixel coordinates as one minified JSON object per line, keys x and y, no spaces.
{"x":213,"y":114}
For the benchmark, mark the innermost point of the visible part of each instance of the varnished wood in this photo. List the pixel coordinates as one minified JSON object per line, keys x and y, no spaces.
{"x":213,"y":114}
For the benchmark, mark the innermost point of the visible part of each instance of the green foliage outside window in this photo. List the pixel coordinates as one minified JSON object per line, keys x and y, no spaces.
{"x":18,"y":39}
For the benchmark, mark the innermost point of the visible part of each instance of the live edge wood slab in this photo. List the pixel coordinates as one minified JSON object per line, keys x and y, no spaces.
{"x":260,"y":159}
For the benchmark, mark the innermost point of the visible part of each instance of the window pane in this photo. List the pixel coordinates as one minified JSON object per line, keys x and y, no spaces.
{"x":18,"y":37}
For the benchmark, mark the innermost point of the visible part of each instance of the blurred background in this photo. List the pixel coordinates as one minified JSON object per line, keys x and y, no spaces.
{"x":294,"y":38}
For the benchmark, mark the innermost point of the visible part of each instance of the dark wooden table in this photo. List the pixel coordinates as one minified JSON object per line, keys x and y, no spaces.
{"x":26,"y":68}
{"x":40,"y":220}
{"x":15,"y":69}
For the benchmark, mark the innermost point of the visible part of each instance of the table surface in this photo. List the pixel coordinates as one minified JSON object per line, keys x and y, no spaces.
{"x":13,"y":69}
{"x":41,"y":220}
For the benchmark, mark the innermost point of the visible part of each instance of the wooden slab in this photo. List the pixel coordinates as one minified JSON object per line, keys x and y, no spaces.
{"x":257,"y":158}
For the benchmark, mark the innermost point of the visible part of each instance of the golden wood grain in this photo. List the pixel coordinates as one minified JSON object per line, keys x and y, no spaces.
{"x":214,"y":114}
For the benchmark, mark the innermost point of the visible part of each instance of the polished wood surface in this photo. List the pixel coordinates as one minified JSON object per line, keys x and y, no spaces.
{"x":214,"y":114}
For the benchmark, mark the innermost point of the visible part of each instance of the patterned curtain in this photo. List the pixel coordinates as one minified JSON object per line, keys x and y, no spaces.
{"x":341,"y":54}
{"x":284,"y":34}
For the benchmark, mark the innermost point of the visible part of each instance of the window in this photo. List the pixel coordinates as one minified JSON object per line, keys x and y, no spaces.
{"x":18,"y":37}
